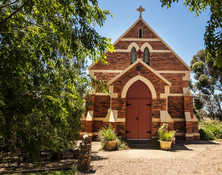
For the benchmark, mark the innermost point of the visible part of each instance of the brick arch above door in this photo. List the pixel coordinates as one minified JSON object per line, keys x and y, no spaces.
{"x":143,"y":79}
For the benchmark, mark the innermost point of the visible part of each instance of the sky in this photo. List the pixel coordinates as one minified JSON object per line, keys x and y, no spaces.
{"x":177,"y":26}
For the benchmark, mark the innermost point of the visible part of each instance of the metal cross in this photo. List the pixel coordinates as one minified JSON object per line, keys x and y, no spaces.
{"x":139,"y":52}
{"x":140,"y":9}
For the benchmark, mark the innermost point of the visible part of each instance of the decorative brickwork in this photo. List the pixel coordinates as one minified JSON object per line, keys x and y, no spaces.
{"x":177,"y":83}
{"x":188,"y":105}
{"x":176,"y":106}
{"x":101,"y":106}
{"x":133,"y":33}
{"x":105,"y":76}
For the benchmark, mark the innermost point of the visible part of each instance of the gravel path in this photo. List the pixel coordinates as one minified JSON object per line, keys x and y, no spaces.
{"x":207,"y":162}
{"x":204,"y":163}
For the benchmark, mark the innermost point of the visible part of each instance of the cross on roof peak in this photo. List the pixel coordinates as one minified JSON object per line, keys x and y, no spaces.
{"x":140,"y":9}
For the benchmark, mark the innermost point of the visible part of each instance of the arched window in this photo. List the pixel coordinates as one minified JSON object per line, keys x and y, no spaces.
{"x":133,"y":55}
{"x":146,"y":56}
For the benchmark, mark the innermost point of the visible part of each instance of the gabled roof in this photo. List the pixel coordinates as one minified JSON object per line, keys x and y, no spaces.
{"x":134,"y":64}
{"x":140,"y":19}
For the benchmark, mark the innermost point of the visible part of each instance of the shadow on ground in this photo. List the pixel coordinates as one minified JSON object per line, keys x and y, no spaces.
{"x":183,"y":145}
{"x":96,"y":157}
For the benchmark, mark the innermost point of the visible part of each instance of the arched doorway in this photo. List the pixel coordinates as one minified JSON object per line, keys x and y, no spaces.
{"x":138,"y":111}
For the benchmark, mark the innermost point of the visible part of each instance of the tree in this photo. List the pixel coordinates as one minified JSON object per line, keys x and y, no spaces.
{"x":43,"y":46}
{"x":209,"y":84}
{"x":213,"y":33}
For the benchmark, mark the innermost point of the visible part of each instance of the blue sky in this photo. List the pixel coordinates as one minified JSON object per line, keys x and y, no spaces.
{"x":177,"y":26}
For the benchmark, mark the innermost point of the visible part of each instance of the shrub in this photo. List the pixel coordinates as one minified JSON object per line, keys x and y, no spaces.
{"x":210,"y":130}
{"x":122,"y":143}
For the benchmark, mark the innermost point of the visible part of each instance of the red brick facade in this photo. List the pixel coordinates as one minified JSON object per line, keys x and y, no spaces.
{"x":166,"y":76}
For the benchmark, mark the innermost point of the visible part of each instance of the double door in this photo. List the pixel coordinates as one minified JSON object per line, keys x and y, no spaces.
{"x":138,"y":119}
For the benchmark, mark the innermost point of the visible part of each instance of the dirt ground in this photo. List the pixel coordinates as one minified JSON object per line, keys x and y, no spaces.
{"x":206,"y":162}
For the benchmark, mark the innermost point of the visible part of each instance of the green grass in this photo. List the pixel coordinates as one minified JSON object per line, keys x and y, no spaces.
{"x":210,"y":130}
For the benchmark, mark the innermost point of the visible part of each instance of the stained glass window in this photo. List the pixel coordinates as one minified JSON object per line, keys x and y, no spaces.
{"x":133,"y":55}
{"x":146,"y":56}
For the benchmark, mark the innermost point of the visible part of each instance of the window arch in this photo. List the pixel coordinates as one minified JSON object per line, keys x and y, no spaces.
{"x":146,"y":56}
{"x":133,"y":55}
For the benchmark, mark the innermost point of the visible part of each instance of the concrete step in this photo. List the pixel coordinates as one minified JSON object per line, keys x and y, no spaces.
{"x":138,"y":143}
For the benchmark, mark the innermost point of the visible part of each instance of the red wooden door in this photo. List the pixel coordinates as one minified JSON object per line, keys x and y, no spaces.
{"x":132,"y":123}
{"x":138,"y":111}
{"x":144,"y":119}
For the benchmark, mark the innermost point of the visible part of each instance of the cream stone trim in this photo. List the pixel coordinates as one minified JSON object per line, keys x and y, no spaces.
{"x":179,"y":119}
{"x":139,"y":39}
{"x":179,"y":134}
{"x":145,"y":65}
{"x":89,"y":134}
{"x":156,"y":119}
{"x":121,"y":120}
{"x":196,"y":134}
{"x":100,"y":93}
{"x":158,"y":37}
{"x":161,"y":51}
{"x":167,"y":92}
{"x":89,"y":116}
{"x":126,"y":31}
{"x":117,"y":120}
{"x":111,"y":116}
{"x":189,"y":135}
{"x":98,"y":119}
{"x":148,"y":46}
{"x":175,"y":94}
{"x":133,"y":44}
{"x":186,"y":92}
{"x":134,"y":79}
{"x":187,"y":117}
{"x":185,"y":78}
{"x":91,"y":72}
{"x":194,"y":119}
{"x":111,"y":88}
{"x":151,"y":51}
{"x":83,"y":117}
{"x":113,"y":95}
{"x":165,"y":117}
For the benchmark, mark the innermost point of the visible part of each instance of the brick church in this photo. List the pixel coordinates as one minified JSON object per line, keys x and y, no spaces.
{"x":148,"y":82}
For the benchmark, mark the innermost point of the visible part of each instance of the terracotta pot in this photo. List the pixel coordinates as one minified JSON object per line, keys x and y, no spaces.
{"x":110,"y":145}
{"x":165,"y":145}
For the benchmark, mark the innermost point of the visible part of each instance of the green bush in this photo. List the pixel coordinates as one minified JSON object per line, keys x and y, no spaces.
{"x":210,"y":130}
{"x":122,"y":143}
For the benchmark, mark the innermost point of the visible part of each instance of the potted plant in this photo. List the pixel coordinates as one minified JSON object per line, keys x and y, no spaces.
{"x":165,"y":137}
{"x":108,"y":137}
